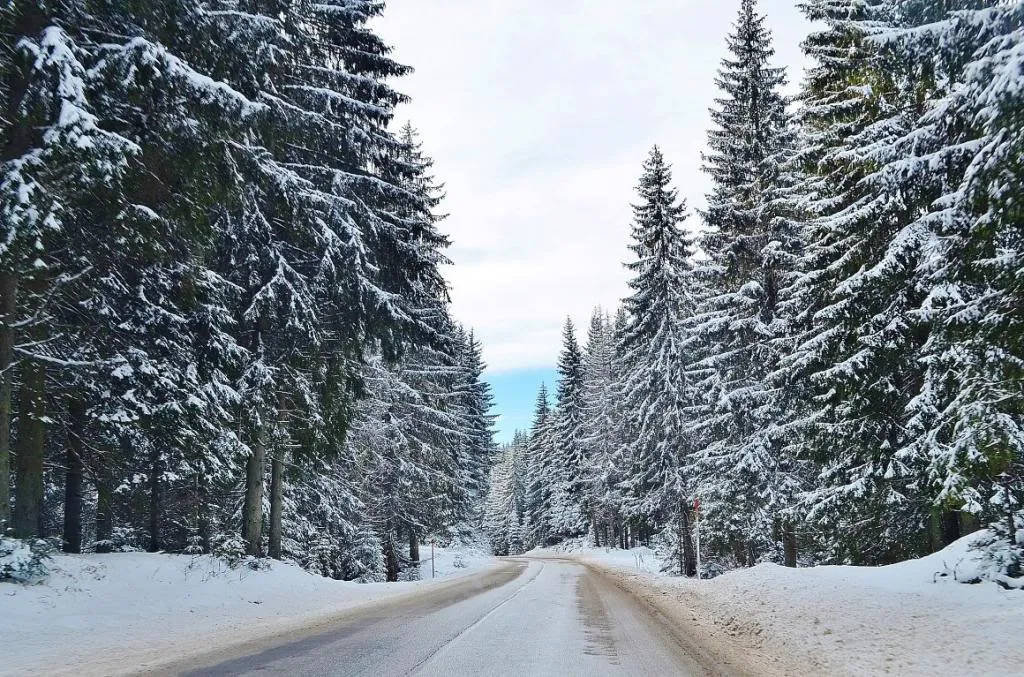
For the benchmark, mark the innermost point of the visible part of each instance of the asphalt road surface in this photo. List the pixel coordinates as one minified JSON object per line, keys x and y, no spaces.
{"x":533,"y":618}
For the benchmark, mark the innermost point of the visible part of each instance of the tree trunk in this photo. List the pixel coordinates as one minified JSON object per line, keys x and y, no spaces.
{"x":104,"y":512}
{"x":28,"y":501}
{"x":680,"y":549}
{"x":935,"y":529}
{"x":688,"y":552}
{"x":414,"y":547}
{"x":390,"y":558}
{"x":276,"y":502}
{"x":739,"y":550}
{"x":155,"y":508}
{"x":253,"y":519}
{"x":789,"y":544}
{"x":73,"y":476}
{"x":203,"y":526}
{"x":968,"y":523}
{"x":8,"y":308}
{"x":950,"y":526}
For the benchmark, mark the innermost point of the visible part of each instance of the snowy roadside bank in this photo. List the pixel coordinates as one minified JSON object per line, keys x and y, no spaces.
{"x":903,"y":619}
{"x":107,"y":614}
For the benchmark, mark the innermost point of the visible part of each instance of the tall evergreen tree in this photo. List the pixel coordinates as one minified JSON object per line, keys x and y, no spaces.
{"x":856,"y":362}
{"x":656,"y":391}
{"x":601,"y":427}
{"x":540,"y":472}
{"x":751,"y":246}
{"x":475,"y":401}
{"x":569,"y":509}
{"x":502,"y":514}
{"x":956,"y":170}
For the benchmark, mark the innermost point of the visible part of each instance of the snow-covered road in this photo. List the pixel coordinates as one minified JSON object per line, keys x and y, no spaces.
{"x":524,"y":618}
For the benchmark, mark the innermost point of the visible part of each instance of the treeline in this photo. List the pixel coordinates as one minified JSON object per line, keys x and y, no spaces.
{"x":835,"y":366}
{"x":223,"y":322}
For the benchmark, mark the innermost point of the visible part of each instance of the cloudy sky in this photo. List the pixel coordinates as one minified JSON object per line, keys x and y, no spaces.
{"x":538,"y":116}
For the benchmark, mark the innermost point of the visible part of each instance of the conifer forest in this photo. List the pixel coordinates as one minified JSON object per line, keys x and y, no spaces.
{"x":225,"y":326}
{"x":829,"y":359}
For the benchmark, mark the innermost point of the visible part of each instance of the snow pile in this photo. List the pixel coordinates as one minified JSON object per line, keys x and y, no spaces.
{"x":102,"y":614}
{"x":911,"y":618}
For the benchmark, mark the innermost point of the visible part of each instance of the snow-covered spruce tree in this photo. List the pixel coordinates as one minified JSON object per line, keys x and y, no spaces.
{"x":414,"y":437}
{"x":120,"y":288}
{"x":569,"y":509}
{"x":503,"y":516}
{"x":518,"y":536}
{"x":419,"y":443}
{"x":751,"y":246}
{"x":959,"y":168}
{"x":654,"y":388}
{"x":600,"y":429}
{"x":342,"y":242}
{"x":618,"y":462}
{"x":856,"y":364}
{"x":224,"y":228}
{"x":499,"y":503}
{"x":394,"y":461}
{"x":361,"y":234}
{"x":474,"y":401}
{"x":185,"y":120}
{"x":540,"y":469}
{"x":55,"y":159}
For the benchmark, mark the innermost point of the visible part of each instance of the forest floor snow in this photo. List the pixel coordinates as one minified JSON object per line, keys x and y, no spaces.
{"x":107,"y":614}
{"x":905,"y":619}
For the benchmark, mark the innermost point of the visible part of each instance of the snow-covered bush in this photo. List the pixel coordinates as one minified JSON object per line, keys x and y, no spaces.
{"x":353,"y":556}
{"x":996,"y":559}
{"x":123,"y":539}
{"x":24,"y":560}
{"x":231,"y":549}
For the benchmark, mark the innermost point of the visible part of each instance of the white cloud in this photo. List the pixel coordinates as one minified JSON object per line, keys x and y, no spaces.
{"x":538,"y":116}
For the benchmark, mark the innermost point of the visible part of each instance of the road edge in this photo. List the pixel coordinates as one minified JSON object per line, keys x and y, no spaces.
{"x":229,"y":644}
{"x":718,"y":647}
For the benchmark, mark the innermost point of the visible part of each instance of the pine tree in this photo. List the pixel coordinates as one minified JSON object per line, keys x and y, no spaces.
{"x":426,"y":422}
{"x":751,"y":247}
{"x":540,"y":471}
{"x":569,"y":509}
{"x":856,"y":360}
{"x":601,"y":427}
{"x":502,"y":518}
{"x":957,"y":170}
{"x":655,"y":388}
{"x":475,"y":401}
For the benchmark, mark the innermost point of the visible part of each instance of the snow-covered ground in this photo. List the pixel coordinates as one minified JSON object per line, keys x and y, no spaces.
{"x":102,"y":614}
{"x":903,"y":619}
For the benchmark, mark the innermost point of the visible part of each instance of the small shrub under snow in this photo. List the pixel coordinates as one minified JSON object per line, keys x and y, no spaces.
{"x":24,"y":560}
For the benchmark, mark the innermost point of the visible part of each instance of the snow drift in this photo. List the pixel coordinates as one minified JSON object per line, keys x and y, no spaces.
{"x":910,"y":618}
{"x":101,"y":614}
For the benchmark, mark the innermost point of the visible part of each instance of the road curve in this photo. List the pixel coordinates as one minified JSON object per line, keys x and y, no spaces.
{"x":550,"y":617}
